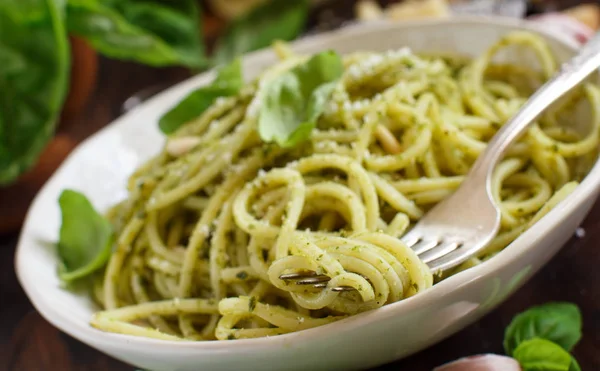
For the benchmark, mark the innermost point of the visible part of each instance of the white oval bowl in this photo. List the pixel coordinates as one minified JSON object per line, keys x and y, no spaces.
{"x":100,"y":166}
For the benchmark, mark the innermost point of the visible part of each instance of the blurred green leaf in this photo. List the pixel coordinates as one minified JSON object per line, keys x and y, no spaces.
{"x":34,"y":67}
{"x":154,"y":32}
{"x":274,"y":20}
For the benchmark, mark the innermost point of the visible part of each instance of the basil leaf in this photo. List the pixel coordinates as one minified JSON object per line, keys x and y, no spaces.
{"x":574,"y":366}
{"x":85,"y":239}
{"x":294,"y":100}
{"x":542,"y":355}
{"x":230,"y":75}
{"x":274,"y":20}
{"x":34,"y":68}
{"x":557,"y":322}
{"x":228,"y":82}
{"x":158,"y":33}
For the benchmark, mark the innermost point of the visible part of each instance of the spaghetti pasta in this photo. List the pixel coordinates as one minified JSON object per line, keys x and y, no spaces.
{"x":213,"y":221}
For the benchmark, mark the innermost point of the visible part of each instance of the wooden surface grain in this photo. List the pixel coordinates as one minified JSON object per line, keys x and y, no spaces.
{"x":28,"y":342}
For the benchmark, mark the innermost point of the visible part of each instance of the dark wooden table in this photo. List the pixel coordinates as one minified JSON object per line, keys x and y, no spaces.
{"x":28,"y":342}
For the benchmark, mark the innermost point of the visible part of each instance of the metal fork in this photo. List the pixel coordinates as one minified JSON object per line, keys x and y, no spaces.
{"x":466,"y":221}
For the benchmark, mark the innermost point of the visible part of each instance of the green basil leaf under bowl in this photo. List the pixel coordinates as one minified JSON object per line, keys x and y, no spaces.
{"x":274,"y":20}
{"x":34,"y":62}
{"x":157,"y":33}
{"x":557,"y":322}
{"x":294,"y":100}
{"x":228,"y":82}
{"x":86,"y":237}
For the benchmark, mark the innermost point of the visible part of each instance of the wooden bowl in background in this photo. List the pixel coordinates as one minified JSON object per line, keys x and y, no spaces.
{"x":84,"y":73}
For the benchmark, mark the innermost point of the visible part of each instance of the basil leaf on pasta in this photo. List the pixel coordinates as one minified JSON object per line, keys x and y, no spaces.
{"x":274,"y":20}
{"x":294,"y":100}
{"x":542,"y":355}
{"x":557,"y":322}
{"x":228,"y":82}
{"x":85,"y":240}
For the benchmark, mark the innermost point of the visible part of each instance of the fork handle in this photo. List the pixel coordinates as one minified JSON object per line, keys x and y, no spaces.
{"x":570,"y":75}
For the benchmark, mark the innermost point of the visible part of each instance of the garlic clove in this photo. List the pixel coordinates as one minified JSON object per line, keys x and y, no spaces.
{"x":483,"y":362}
{"x":368,"y":10}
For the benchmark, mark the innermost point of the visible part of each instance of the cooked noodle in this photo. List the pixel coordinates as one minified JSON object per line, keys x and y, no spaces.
{"x":213,"y":221}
